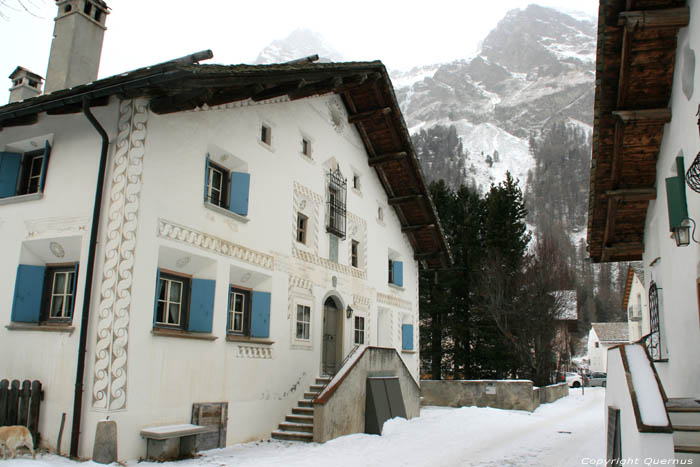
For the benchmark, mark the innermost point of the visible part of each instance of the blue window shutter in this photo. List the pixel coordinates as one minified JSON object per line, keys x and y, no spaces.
{"x":201,"y":305}
{"x":44,"y":166}
{"x":398,"y":273}
{"x":260,"y":314}
{"x":407,"y":336}
{"x":10,"y":163}
{"x":26,"y":306}
{"x":238,"y":193}
{"x":206,"y":177}
{"x":155,"y":299}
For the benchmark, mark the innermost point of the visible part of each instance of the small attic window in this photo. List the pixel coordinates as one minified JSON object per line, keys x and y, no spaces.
{"x":68,"y":8}
{"x":98,"y":15}
{"x":33,"y":83}
{"x":266,"y":134}
{"x":88,"y":7}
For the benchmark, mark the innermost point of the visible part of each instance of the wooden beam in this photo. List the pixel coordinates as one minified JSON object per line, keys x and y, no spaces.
{"x":404,"y":199}
{"x":388,"y":157}
{"x":668,"y":18}
{"x":368,"y":114}
{"x":633,"y":194}
{"x":616,"y":171}
{"x":646,"y":115}
{"x":279,"y":90}
{"x":624,"y":249}
{"x":426,"y":255}
{"x":415,"y":227}
{"x":622,"y":78}
{"x":609,"y":225}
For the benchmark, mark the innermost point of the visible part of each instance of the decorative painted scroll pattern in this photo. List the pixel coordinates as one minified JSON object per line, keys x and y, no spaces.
{"x":297,"y":287}
{"x":328,"y":264}
{"x":308,"y":203}
{"x":394,"y":301}
{"x":180,"y":233}
{"x":249,"y":351}
{"x":357,"y":230}
{"x":361,"y":301}
{"x":111,"y":349}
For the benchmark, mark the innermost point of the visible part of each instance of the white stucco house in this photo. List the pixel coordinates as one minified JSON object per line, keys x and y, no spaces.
{"x":644,"y":200}
{"x":186,"y":233}
{"x":601,"y":337}
{"x":636,"y":304}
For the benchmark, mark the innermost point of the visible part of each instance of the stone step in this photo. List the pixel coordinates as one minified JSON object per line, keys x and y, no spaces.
{"x":303,"y":411}
{"x":322,"y":381}
{"x":687,"y":449}
{"x":308,"y":419}
{"x":686,"y":435}
{"x":684,"y":418}
{"x":310,"y":395}
{"x":306,"y":403}
{"x":687,"y":458}
{"x":296,"y":427}
{"x":293,"y":436}
{"x":316,"y":388}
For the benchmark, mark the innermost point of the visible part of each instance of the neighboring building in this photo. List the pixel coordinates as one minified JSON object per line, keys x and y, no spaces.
{"x":257,"y":223}
{"x":566,"y":324}
{"x":636,"y":303}
{"x":642,"y":205}
{"x":602,"y":337}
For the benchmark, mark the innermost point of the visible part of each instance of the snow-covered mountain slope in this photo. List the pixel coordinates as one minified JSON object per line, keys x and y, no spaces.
{"x":300,"y":43}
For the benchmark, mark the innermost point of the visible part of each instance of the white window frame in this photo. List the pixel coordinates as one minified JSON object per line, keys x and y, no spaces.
{"x":297,"y":299}
{"x":66,"y":312}
{"x":305,"y":324}
{"x":167,"y":302}
{"x":356,"y":330}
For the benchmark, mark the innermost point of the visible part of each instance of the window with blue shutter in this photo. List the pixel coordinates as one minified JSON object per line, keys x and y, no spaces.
{"x":675,"y":196}
{"x":201,"y":305}
{"x":260,"y":314}
{"x":22,"y":174}
{"x":407,"y":337}
{"x":10,"y":163}
{"x":398,"y":273}
{"x":238,"y":193}
{"x":26,"y":305}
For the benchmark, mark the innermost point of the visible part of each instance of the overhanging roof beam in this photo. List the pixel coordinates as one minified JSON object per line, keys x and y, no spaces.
{"x":641,"y":116}
{"x":388,"y":157}
{"x":667,"y":18}
{"x":633,"y":194}
{"x":404,"y":199}
{"x":416,"y":227}
{"x":369,"y":114}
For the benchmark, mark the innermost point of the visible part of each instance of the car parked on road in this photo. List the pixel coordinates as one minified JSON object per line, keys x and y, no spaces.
{"x":574,"y":380}
{"x":598,"y":379}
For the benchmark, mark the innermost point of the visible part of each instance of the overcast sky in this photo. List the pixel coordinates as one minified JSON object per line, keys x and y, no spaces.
{"x":145,"y":32}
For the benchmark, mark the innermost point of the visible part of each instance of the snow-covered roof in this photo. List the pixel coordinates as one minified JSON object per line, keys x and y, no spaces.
{"x":569,"y":304}
{"x":611,"y":332}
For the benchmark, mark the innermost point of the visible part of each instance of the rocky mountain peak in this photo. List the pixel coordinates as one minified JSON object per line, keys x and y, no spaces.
{"x":298,"y":44}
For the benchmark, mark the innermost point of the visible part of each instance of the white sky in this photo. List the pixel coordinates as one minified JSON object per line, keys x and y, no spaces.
{"x":144,"y":32}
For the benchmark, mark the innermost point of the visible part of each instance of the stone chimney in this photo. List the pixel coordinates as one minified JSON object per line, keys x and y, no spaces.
{"x":25,"y":84}
{"x":77,"y":43}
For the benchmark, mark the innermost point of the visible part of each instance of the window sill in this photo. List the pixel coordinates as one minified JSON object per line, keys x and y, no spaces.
{"x":226,"y":212}
{"x":267,"y":146}
{"x":40,"y":327}
{"x":408,"y":351}
{"x":397,"y":287}
{"x":248,"y":340}
{"x":183,"y":334}
{"x":21,"y":198}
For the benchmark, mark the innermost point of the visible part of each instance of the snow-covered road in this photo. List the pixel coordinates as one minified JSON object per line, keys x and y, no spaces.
{"x":568,"y":432}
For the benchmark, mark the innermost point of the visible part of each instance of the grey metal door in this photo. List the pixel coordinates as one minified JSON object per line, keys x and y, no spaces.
{"x":330,"y":334}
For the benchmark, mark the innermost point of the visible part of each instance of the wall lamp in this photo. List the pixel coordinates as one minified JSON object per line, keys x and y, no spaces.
{"x":682,"y":234}
{"x":348,"y":311}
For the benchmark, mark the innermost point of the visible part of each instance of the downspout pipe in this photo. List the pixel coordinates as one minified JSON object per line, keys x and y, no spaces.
{"x":87,"y":296}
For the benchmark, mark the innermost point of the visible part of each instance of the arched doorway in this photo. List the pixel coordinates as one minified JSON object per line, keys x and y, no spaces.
{"x":332,"y":351}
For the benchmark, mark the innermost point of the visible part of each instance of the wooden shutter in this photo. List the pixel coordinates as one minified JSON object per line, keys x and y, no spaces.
{"x":26,"y":306}
{"x":260,"y":314}
{"x":238,"y":193}
{"x":155,"y":300}
{"x":10,"y":163}
{"x":398,"y":273}
{"x":407,"y":337}
{"x":201,"y":305}
{"x":44,"y":166}
{"x":206,"y":177}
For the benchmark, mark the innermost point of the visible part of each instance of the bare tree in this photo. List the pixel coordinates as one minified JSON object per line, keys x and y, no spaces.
{"x":8,"y":7}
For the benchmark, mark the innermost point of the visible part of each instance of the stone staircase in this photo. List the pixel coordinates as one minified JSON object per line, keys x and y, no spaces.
{"x":685,"y":418}
{"x":299,"y":425}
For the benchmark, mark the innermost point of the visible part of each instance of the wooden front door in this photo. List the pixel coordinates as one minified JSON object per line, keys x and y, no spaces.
{"x":332,"y":338}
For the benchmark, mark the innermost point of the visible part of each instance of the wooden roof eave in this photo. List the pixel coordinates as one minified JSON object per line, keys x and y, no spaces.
{"x":609,"y":196}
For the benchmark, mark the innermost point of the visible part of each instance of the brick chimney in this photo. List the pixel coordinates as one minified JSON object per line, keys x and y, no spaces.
{"x":77,"y":43}
{"x":25,"y":84}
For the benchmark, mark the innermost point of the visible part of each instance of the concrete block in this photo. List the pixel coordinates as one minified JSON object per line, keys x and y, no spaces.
{"x":105,"y":447}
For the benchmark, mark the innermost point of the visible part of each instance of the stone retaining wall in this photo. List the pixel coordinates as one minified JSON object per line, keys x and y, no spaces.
{"x":503,"y":394}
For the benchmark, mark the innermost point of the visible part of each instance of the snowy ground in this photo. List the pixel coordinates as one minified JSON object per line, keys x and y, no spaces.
{"x":568,"y":432}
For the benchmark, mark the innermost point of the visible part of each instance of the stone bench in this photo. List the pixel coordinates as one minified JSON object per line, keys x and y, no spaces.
{"x":172,"y":442}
